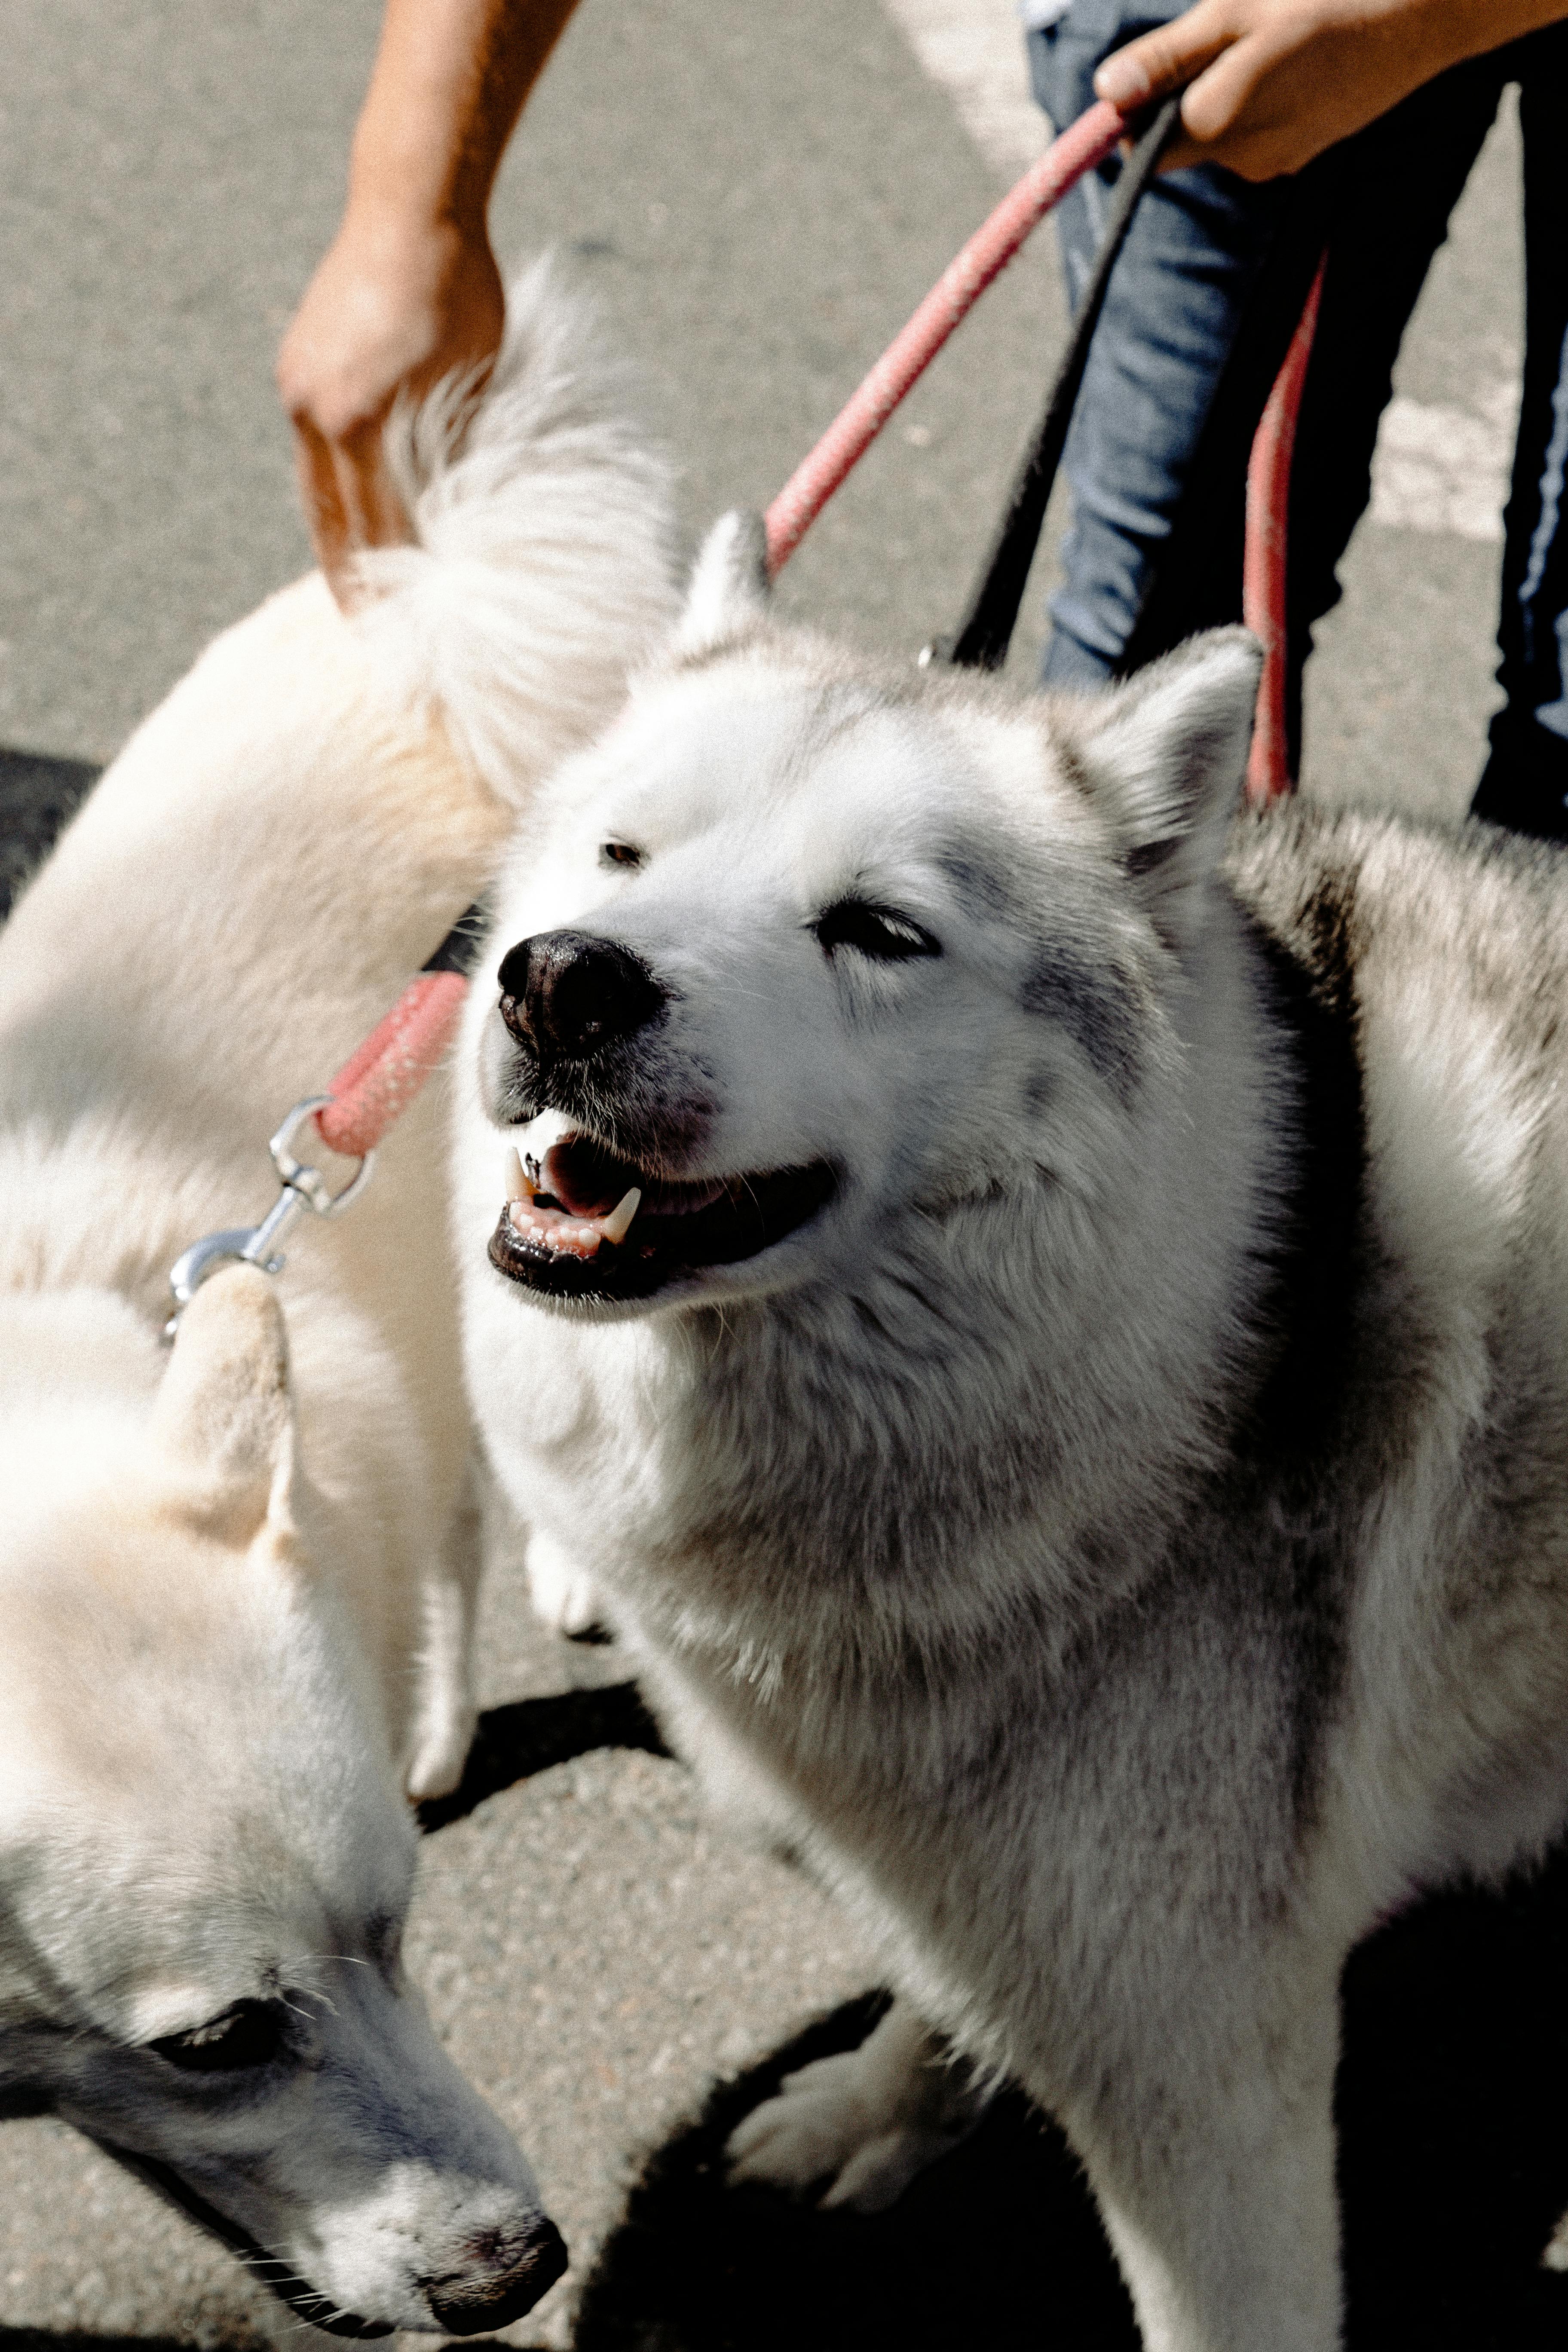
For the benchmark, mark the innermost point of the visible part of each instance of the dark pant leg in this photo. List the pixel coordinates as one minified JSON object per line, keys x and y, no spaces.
{"x":1525,"y":784}
{"x":1380,"y":204}
{"x":1201,"y":309}
{"x":1184,"y":284}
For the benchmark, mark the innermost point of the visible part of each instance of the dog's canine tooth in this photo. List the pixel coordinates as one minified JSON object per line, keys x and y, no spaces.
{"x":616,"y":1226}
{"x":517,"y":1187}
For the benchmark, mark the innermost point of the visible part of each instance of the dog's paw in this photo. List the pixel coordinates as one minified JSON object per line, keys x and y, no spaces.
{"x":563,"y":1594}
{"x":441,"y":1747}
{"x":823,"y":2127}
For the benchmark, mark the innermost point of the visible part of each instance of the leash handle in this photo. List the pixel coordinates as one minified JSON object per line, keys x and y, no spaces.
{"x":985,"y":632}
{"x":1083,"y":144}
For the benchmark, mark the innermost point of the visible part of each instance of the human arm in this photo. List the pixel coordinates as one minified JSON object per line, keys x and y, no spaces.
{"x":1270,"y":83}
{"x":409,"y":289}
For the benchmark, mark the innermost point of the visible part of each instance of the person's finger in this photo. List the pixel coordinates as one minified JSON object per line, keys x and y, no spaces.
{"x":1213,"y":104}
{"x":1168,"y":57}
{"x":1235,"y":86}
{"x":1268,"y":104}
{"x":376,"y":514}
{"x":326,"y":516}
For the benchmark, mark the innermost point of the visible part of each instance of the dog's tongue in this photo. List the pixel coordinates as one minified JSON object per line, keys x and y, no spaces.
{"x":586,"y":1180}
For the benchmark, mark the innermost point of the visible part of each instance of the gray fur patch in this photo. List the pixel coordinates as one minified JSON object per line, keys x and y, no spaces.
{"x":979,"y":889}
{"x":1096,"y":1009}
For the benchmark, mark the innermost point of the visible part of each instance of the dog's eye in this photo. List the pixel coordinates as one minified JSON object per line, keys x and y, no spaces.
{"x":880,"y":932}
{"x":619,"y":853}
{"x":250,"y":2034}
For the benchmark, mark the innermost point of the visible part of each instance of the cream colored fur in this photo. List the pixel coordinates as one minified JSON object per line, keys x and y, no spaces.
{"x":237,"y":1577}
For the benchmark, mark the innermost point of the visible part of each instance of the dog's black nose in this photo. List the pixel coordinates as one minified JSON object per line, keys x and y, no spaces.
{"x":473,"y":2300}
{"x":564,"y":992}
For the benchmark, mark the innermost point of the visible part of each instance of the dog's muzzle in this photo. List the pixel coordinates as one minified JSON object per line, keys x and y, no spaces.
{"x":503,"y":2278}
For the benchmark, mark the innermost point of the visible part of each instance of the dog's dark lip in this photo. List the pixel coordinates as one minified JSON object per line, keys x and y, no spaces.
{"x":751,"y":1215}
{"x":287,"y":2284}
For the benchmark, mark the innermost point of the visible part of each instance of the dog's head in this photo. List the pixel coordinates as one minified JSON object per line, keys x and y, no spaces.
{"x":811,"y":950}
{"x":206,"y":1859}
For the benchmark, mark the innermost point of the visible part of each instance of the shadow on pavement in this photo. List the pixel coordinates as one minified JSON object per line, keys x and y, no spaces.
{"x":48,"y":2340}
{"x":1453,"y":2112}
{"x":995,"y":2248}
{"x":37,"y":794}
{"x":532,"y":1734}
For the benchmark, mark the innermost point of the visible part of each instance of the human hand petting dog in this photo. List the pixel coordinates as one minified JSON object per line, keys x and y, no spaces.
{"x":1270,"y":83}
{"x":396,"y":304}
{"x":409,"y":291}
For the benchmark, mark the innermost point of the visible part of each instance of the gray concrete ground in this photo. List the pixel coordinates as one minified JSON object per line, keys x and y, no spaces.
{"x":759,"y":195}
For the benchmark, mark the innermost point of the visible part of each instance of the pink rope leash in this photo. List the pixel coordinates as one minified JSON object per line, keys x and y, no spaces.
{"x":382,"y":1077}
{"x":1081,"y":146}
{"x":1263,"y":564}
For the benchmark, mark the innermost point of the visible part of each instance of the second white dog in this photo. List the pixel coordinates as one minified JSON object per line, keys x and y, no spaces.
{"x":235,"y":1576}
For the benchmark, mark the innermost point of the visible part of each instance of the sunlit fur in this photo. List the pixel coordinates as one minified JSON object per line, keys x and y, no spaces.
{"x":1121,"y":1544}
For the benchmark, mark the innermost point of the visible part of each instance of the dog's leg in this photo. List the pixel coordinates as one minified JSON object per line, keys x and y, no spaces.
{"x":866,"y":2122}
{"x":563,"y":1594}
{"x":1215,"y":2183}
{"x":445,"y":1708}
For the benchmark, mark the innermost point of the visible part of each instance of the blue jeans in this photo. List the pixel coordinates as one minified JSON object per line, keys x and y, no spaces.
{"x":1200,"y":310}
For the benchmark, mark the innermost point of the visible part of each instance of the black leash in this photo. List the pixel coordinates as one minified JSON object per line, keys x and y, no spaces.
{"x":982,"y":636}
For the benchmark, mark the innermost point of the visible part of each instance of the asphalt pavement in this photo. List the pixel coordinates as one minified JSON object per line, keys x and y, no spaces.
{"x":759,"y":196}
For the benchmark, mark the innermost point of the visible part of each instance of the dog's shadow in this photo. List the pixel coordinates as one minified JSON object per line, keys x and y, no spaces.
{"x":38,"y":795}
{"x":48,"y":2340}
{"x":1453,"y":2114}
{"x":532,"y":1735}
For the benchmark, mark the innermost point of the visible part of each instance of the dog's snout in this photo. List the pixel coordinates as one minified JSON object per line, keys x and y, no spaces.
{"x":500,"y":2281}
{"x":564,"y":992}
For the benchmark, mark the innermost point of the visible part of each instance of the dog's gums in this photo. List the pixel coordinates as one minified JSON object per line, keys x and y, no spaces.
{"x":587,"y":1225}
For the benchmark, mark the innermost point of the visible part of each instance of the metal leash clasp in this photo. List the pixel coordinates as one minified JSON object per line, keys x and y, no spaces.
{"x":303,"y":1188}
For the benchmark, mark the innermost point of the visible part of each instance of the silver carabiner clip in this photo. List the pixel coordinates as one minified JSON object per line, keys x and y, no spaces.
{"x":303,"y":1187}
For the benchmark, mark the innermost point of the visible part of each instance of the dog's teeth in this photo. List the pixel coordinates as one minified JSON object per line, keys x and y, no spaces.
{"x":517,"y":1187}
{"x":614,"y":1227}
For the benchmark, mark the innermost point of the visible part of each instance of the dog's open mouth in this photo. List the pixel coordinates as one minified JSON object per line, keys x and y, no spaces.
{"x":584,"y":1224}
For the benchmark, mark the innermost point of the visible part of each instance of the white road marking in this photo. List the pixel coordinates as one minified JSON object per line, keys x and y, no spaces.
{"x":975,"y":49}
{"x":1441,"y":470}
{"x":1445,"y":470}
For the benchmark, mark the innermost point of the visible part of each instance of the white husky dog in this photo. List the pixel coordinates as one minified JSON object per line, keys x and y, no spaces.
{"x":234,"y":1589}
{"x":1047,"y":1316}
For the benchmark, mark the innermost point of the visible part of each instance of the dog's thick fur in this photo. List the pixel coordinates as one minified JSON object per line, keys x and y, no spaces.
{"x":1121,"y":1541}
{"x":235,"y":1577}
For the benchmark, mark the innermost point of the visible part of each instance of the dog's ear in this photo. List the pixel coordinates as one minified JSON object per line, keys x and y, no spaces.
{"x":223,"y":1424}
{"x":730,"y":586}
{"x":1164,"y":757}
